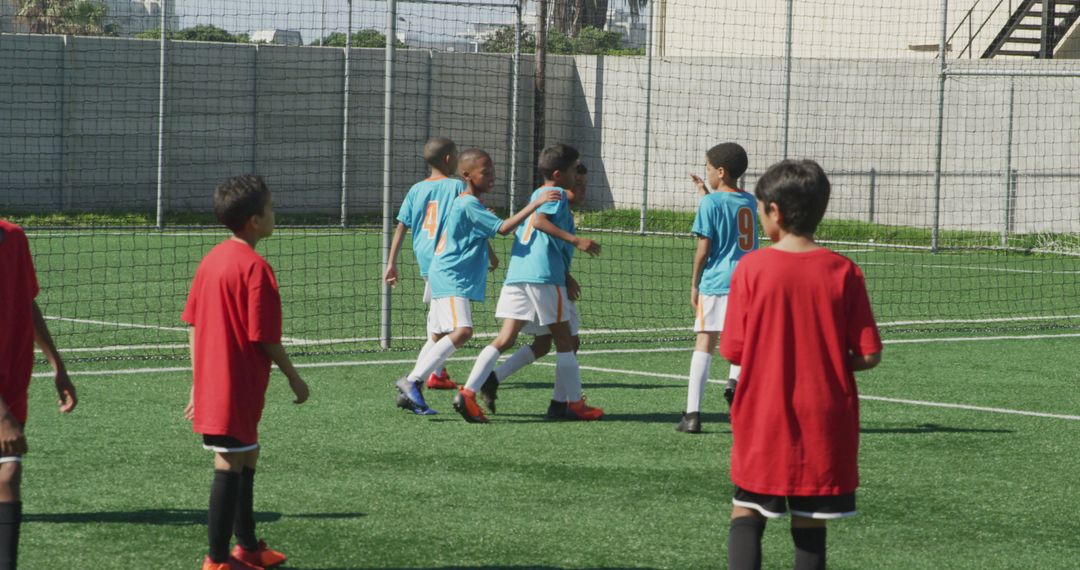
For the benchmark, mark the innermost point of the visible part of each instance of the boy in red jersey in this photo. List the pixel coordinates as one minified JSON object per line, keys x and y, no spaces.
{"x":21,"y":326}
{"x":799,"y":323}
{"x":235,"y":315}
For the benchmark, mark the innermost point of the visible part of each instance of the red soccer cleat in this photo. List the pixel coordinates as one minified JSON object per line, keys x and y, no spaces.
{"x":232,"y":564}
{"x":436,"y":382}
{"x":465,"y":404}
{"x":263,"y":557}
{"x":579,"y":411}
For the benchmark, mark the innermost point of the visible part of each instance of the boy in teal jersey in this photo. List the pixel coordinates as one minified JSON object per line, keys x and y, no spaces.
{"x":458,"y":272}
{"x":424,"y":211}
{"x":726,"y":227}
{"x":535,"y":290}
{"x":541,"y":344}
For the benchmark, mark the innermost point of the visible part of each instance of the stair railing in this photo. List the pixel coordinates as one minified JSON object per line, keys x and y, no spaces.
{"x":973,"y":33}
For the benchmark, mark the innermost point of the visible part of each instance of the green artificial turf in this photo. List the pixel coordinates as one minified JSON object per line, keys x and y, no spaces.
{"x":346,"y":481}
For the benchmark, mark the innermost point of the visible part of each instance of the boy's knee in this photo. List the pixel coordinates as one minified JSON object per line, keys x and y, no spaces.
{"x":461,"y":336}
{"x":230,"y":461}
{"x":541,"y":346}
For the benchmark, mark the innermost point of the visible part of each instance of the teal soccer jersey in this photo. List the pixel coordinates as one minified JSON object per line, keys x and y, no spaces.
{"x":537,"y":257}
{"x":460,"y":266}
{"x":424,"y":211}
{"x":729,"y":221}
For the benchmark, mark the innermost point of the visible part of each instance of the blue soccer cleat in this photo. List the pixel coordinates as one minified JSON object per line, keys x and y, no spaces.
{"x":411,"y":398}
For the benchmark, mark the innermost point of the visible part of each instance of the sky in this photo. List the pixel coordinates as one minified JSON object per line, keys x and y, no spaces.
{"x":307,"y":16}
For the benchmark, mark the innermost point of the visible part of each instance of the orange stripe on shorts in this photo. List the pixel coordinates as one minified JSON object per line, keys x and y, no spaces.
{"x":453,"y":311}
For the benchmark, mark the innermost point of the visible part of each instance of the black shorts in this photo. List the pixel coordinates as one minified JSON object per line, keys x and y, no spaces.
{"x":226,"y":444}
{"x":775,"y":506}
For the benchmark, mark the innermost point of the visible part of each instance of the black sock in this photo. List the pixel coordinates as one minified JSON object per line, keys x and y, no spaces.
{"x":10,"y":519}
{"x":244,"y":527}
{"x":744,"y":543}
{"x":222,"y":512}
{"x":809,"y":548}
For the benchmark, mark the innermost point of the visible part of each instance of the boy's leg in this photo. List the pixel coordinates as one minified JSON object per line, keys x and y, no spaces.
{"x":809,"y":537}
{"x":10,"y":510}
{"x":700,"y":363}
{"x":223,"y":496}
{"x":244,"y":524}
{"x":452,"y":314}
{"x":568,"y":374}
{"x":480,"y":377}
{"x":744,"y":539}
{"x":523,"y":357}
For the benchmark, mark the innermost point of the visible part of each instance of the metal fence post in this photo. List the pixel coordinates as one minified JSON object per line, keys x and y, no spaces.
{"x":1006,"y":226}
{"x":514,"y":88}
{"x":160,"y":215}
{"x":255,"y":112}
{"x":649,"y":56}
{"x":388,"y":143}
{"x":936,"y":231}
{"x":787,"y":73}
{"x":873,"y":193}
{"x":345,"y":122}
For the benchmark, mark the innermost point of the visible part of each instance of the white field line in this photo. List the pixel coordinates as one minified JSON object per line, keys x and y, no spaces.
{"x":978,"y":321}
{"x":974,"y":268}
{"x":980,"y":338}
{"x":116,"y":324}
{"x":124,"y":348}
{"x":679,"y":377}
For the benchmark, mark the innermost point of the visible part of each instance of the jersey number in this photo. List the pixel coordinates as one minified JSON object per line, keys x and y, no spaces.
{"x":529,"y":229}
{"x":431,"y":219}
{"x":745,"y":219}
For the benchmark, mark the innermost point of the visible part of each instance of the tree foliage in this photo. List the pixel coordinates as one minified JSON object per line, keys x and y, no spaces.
{"x":366,"y":38}
{"x":200,"y":33}
{"x":69,"y":17}
{"x":589,"y":41}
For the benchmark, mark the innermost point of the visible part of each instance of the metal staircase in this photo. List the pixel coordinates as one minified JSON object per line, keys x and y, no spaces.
{"x":1034,"y":29}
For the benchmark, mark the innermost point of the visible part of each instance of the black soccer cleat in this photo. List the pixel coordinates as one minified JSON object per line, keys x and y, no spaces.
{"x":690,"y":423}
{"x":489,"y":392}
{"x":729,"y":391}
{"x":556,"y":410}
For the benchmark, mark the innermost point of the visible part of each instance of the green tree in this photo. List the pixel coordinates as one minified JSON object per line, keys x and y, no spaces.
{"x":366,"y":38}
{"x":69,"y":17}
{"x":589,"y":41}
{"x":200,"y":33}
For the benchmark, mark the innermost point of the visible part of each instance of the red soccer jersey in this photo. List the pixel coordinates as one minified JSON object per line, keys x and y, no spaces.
{"x":792,"y":320}
{"x":234,"y":305}
{"x":18,"y":288}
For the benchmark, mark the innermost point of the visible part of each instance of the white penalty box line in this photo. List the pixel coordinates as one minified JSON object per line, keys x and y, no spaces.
{"x":395,"y":362}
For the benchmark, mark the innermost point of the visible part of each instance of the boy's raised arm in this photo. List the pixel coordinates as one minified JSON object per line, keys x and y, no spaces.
{"x":514,"y":221}
{"x":391,"y":275}
{"x":277,"y":353}
{"x":542,"y":223}
{"x":64,"y":388}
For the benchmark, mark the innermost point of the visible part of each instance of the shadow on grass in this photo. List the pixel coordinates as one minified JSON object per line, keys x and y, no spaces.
{"x":465,"y":568}
{"x":933,"y":428}
{"x":650,"y":418}
{"x":166,"y":517}
{"x":537,"y":385}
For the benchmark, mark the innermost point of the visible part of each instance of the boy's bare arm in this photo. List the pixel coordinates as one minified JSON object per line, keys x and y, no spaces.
{"x":701,"y":256}
{"x":391,"y":275}
{"x":865,"y":362}
{"x":542,"y":223}
{"x":276,"y":352}
{"x":699,"y":184}
{"x":189,"y":409}
{"x":493,"y":260}
{"x":64,"y":388}
{"x":511,"y":223}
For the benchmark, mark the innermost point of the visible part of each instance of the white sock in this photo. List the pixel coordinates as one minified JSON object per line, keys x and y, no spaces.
{"x":427,"y":347}
{"x":699,"y":375}
{"x":482,"y":369}
{"x":432,"y":359}
{"x":568,"y":376}
{"x":520,"y":359}
{"x":735,"y":371}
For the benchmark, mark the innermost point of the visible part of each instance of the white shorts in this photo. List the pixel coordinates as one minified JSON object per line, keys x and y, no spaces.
{"x":449,"y":313}
{"x":427,"y":291}
{"x":530,"y":302}
{"x":533,"y":328}
{"x":711,"y":310}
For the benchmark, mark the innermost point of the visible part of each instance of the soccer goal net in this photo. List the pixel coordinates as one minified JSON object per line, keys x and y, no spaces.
{"x":949,"y":131}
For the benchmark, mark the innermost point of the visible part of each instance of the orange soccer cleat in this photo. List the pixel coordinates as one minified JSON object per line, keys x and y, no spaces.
{"x":579,"y":411}
{"x":465,"y":404}
{"x":261,"y":557}
{"x":232,"y":564}
{"x":443,"y":382}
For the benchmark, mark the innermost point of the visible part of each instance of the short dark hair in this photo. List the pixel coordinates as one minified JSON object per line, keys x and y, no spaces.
{"x":468,"y":156}
{"x":582,"y":170}
{"x":239,"y":198}
{"x":800,"y":190}
{"x":556,"y":157}
{"x":729,"y":156}
{"x":437,"y":149}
